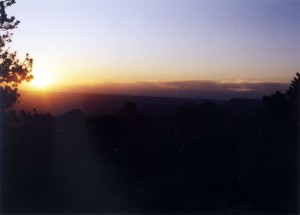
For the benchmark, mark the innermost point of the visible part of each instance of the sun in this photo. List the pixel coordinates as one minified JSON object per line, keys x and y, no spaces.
{"x":41,"y":79}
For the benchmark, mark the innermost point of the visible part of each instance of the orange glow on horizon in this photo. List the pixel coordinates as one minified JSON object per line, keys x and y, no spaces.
{"x":42,"y":80}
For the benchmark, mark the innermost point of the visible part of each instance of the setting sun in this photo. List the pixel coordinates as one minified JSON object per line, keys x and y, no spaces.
{"x":41,"y":79}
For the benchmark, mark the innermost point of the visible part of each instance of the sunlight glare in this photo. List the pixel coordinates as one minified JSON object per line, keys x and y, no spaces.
{"x":41,"y":79}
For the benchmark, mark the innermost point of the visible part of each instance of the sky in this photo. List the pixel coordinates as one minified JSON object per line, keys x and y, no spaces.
{"x":87,"y":45}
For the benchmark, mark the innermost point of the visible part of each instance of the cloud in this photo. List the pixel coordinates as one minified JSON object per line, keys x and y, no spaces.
{"x":190,"y":88}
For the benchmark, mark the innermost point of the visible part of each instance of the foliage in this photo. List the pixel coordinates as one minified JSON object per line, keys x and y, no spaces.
{"x":284,"y":107}
{"x":293,"y":91}
{"x":12,"y":70}
{"x":293,"y":94}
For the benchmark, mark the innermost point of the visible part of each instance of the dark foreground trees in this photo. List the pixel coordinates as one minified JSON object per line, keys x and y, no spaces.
{"x":12,"y":70}
{"x":203,"y":159}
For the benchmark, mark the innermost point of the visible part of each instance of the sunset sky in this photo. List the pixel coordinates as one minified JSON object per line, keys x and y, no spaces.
{"x":90,"y":45}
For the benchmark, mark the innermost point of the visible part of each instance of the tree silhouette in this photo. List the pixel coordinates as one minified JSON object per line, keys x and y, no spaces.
{"x":293,"y":94}
{"x":12,"y":70}
{"x":293,"y":91}
{"x":284,"y":105}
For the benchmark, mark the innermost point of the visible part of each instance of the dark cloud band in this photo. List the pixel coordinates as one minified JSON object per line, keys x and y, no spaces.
{"x":194,"y":88}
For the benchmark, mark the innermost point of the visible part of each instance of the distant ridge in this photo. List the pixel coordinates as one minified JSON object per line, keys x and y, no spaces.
{"x":58,"y":103}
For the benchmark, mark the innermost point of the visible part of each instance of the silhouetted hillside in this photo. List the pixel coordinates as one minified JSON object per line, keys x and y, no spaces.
{"x":201,"y":157}
{"x":129,"y":111}
{"x":94,"y":104}
{"x":244,"y":107}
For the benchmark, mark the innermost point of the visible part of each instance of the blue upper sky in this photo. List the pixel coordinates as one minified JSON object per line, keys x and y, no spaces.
{"x":87,"y":42}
